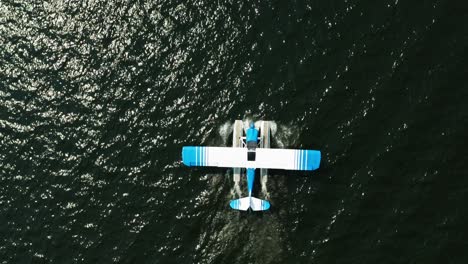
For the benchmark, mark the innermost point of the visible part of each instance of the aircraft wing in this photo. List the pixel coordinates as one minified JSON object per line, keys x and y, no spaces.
{"x":266,"y":158}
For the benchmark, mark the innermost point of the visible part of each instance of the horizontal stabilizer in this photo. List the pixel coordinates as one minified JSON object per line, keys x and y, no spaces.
{"x":240,"y":204}
{"x":259,"y":204}
{"x":243,"y":204}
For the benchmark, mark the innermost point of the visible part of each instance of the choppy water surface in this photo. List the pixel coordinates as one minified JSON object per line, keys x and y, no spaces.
{"x":98,"y":97}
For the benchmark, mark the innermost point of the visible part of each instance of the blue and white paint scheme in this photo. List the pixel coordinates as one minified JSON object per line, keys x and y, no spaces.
{"x":251,"y":157}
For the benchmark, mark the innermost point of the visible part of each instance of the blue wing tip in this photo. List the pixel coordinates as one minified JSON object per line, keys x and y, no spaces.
{"x":188,"y":155}
{"x":318,"y":158}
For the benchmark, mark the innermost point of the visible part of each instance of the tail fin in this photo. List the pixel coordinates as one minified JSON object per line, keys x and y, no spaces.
{"x":245,"y":203}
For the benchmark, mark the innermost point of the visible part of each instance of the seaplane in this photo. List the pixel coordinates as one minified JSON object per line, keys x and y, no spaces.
{"x":251,"y":150}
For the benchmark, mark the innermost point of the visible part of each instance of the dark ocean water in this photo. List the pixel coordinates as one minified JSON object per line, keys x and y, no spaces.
{"x":98,"y":97}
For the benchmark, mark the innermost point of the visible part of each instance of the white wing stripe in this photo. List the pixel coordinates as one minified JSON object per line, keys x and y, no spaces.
{"x":298,"y":159}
